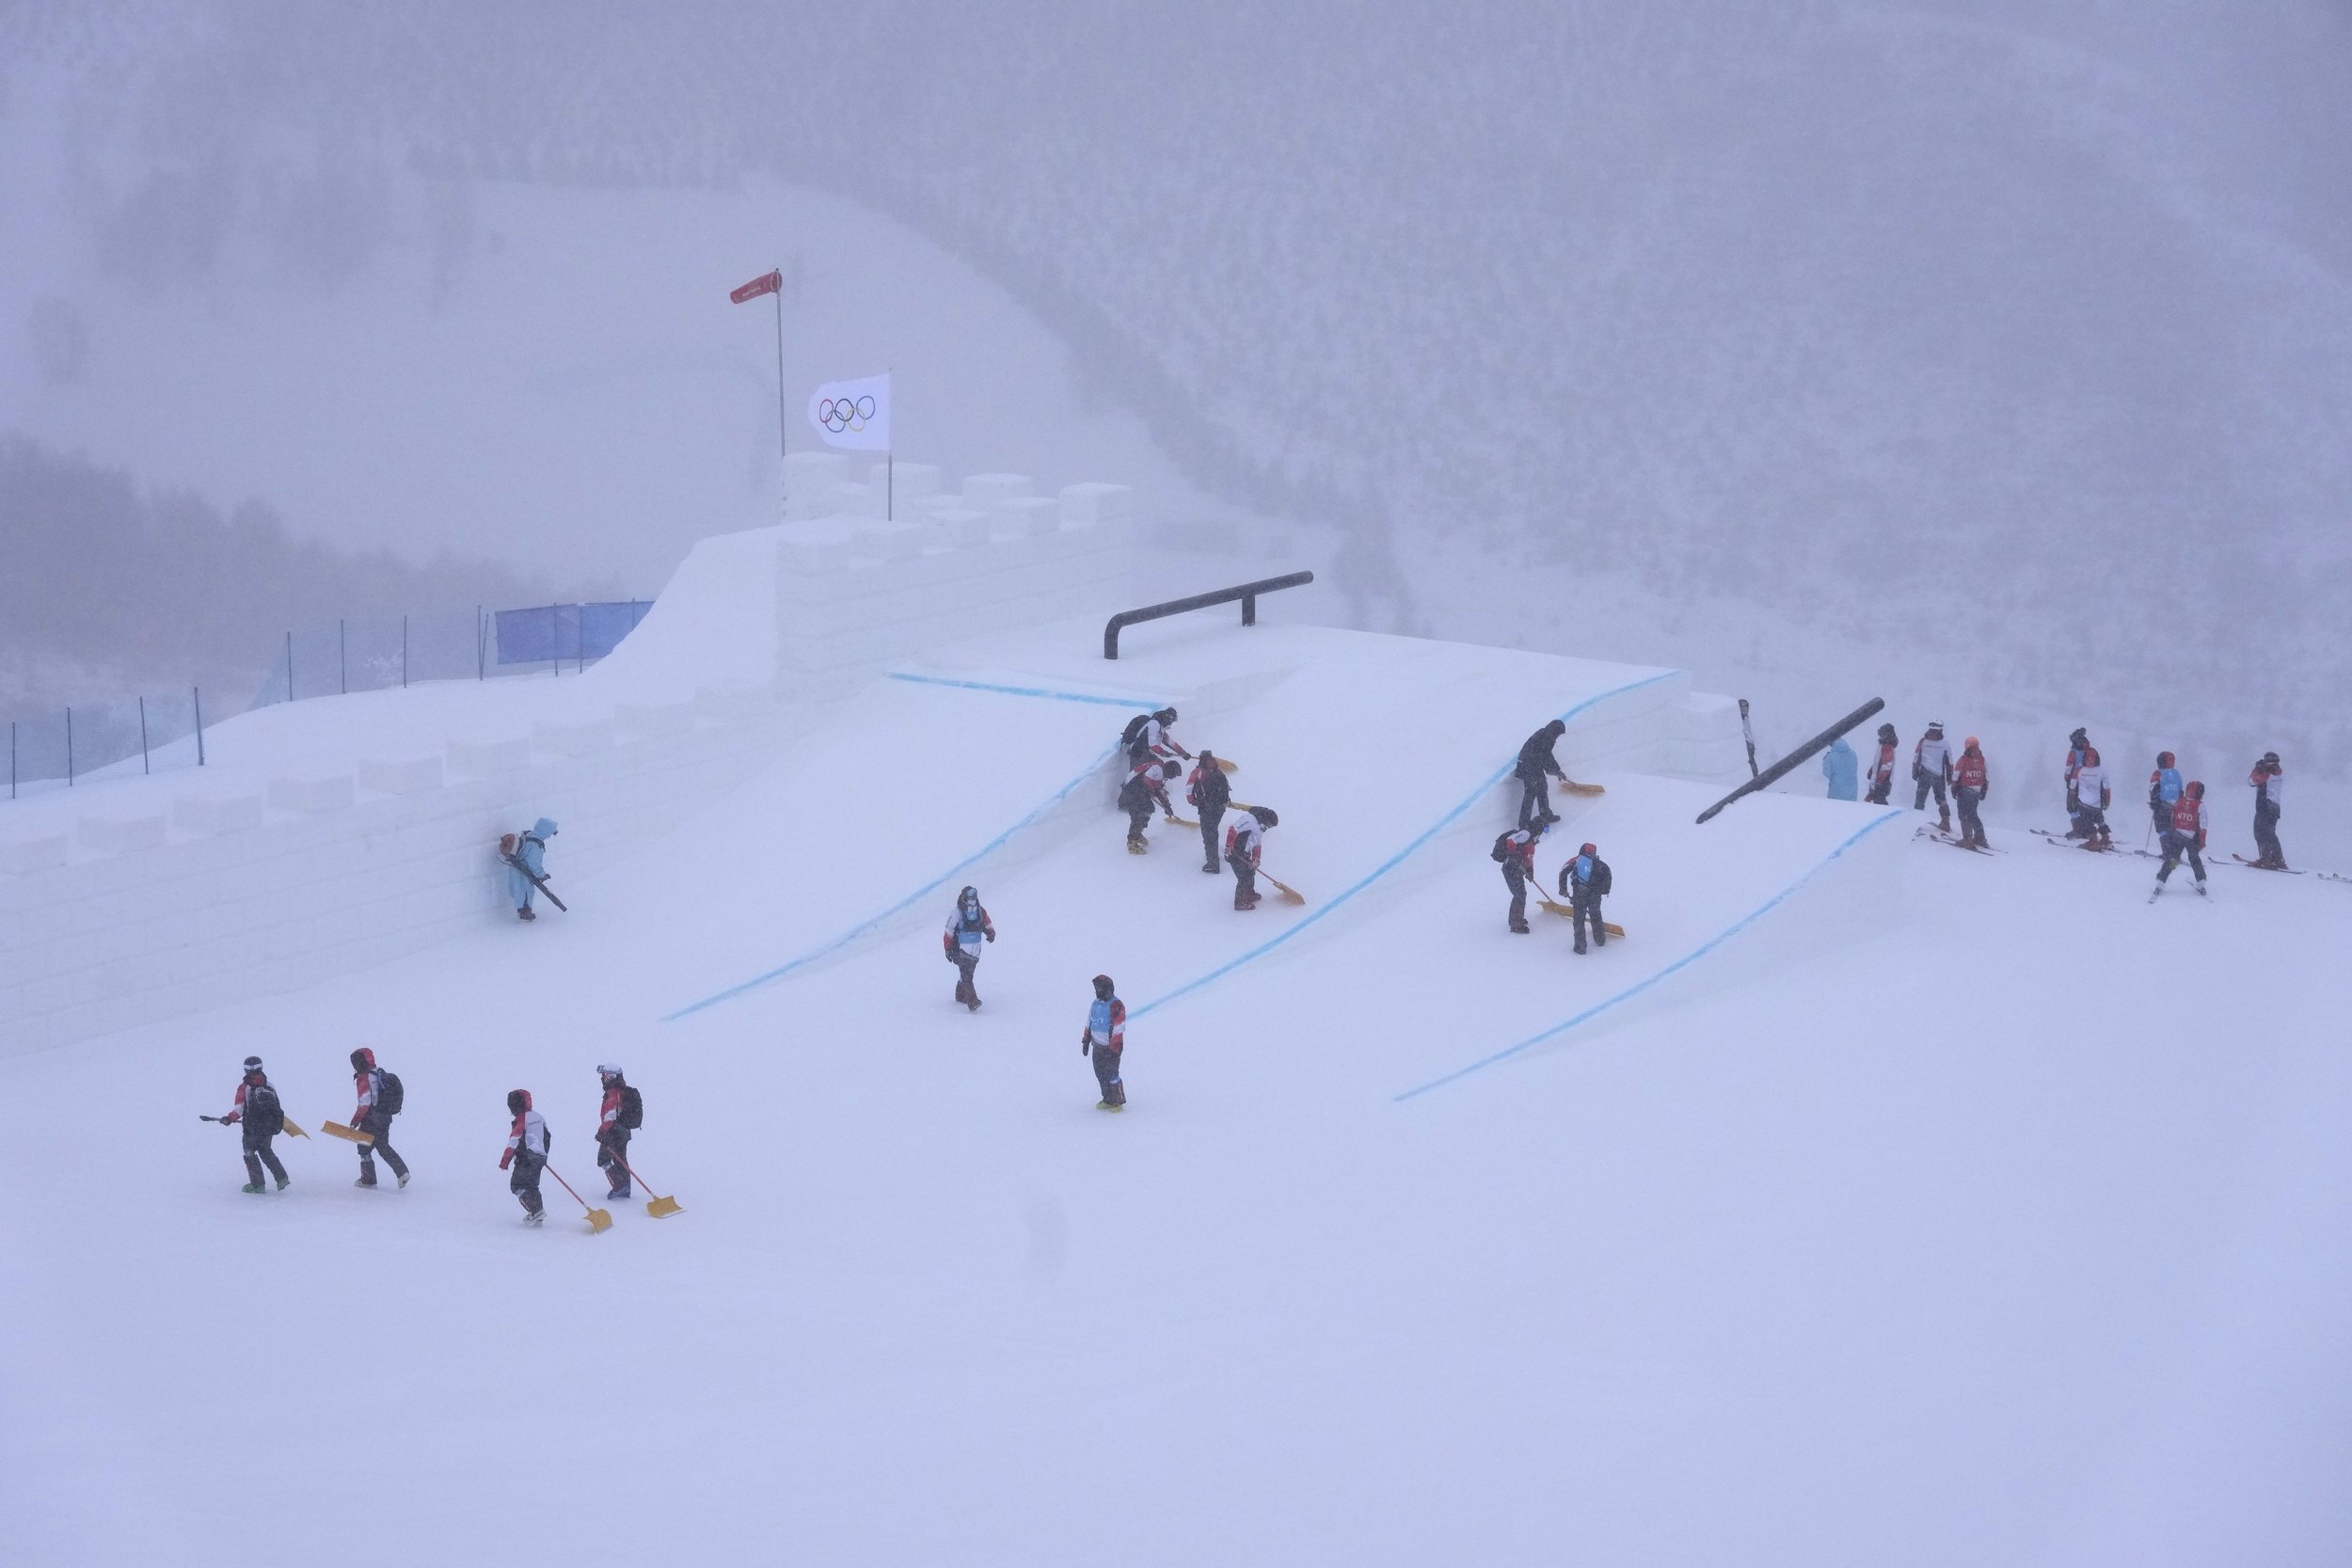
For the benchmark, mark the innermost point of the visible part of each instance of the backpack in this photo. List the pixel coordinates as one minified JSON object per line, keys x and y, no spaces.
{"x":389,"y":1095}
{"x":1502,"y":848}
{"x":632,"y":1107}
{"x":262,"y":1113}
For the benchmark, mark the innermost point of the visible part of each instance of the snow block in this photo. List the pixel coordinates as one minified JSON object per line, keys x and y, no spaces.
{"x":912,"y":482}
{"x":577,"y":738}
{"x":122,"y":835}
{"x":312,"y":793}
{"x":218,"y":814}
{"x":986,"y":492}
{"x":885,"y":542}
{"x":655,"y":719}
{"x":1084,"y":505}
{"x":1027,"y":516}
{"x":958,"y":527}
{"x":400,"y":775}
{"x":477,"y":758}
{"x":816,"y":546}
{"x":808,"y":481}
{"x":21,"y":857}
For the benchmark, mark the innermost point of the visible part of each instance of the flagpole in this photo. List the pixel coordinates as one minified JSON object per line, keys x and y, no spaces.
{"x":783,"y":451}
{"x":890,"y":465}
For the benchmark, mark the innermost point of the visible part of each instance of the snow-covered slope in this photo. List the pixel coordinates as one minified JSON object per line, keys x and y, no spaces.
{"x":1888,"y":1203}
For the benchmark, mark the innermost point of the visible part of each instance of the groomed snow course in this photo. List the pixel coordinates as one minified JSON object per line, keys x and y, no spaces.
{"x":1870,"y":1199}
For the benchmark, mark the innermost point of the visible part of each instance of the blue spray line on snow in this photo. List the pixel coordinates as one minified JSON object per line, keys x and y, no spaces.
{"x":866,"y":926}
{"x":1391,"y":862}
{"x":1683,"y":962}
{"x":1027,"y":691}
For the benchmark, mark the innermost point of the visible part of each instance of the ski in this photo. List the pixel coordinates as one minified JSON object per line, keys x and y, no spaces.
{"x":2257,"y":866}
{"x":1942,"y":837}
{"x":2057,"y":841}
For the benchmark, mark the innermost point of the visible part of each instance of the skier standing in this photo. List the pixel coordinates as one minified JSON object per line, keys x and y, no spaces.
{"x":2268,"y":779}
{"x":1105,"y":1039}
{"x":1535,"y":760}
{"x":1584,"y":882}
{"x":1932,"y":770}
{"x":1840,"y":766}
{"x":2077,"y":747}
{"x":2093,"y":796}
{"x":1244,"y":841}
{"x":526,"y":1153}
{"x":2164,"y":792}
{"x":1883,"y":768}
{"x":1971,"y":782}
{"x":532,"y":849}
{"x":380,"y":1098}
{"x":2184,"y":837}
{"x":1210,"y":793}
{"x":257,"y":1107}
{"x":1145,"y":792}
{"x":967,"y":927}
{"x":1516,"y":852}
{"x":621,"y":1113}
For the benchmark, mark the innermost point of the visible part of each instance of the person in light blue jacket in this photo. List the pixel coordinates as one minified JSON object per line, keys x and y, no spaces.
{"x":1842,"y":769}
{"x":532,"y":849}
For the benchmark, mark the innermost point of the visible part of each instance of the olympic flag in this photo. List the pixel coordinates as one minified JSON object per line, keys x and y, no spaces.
{"x":853,"y":414}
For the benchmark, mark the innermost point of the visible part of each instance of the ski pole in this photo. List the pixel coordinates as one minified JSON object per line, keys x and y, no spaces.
{"x":657,"y":1206}
{"x":599,"y":1220}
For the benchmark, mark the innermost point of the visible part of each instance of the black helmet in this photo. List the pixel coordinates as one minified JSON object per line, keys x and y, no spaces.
{"x":1266,"y":817}
{"x":1558,"y":726}
{"x":1103,"y":987}
{"x":252,"y":1066}
{"x":1886,"y":731}
{"x":2080,"y":738}
{"x":1168,"y":769}
{"x":2271,"y":757}
{"x":518,"y":1100}
{"x":1166,"y":716}
{"x":608,"y":1070}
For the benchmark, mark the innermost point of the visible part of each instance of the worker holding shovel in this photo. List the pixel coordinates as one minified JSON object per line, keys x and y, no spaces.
{"x":257,"y":1108}
{"x":526,"y":1154}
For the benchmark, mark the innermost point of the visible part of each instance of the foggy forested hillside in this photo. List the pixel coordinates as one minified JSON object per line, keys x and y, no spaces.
{"x":2013,"y":336}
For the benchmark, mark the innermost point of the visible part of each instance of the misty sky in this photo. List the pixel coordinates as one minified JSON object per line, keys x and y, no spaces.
{"x":2006,"y":334}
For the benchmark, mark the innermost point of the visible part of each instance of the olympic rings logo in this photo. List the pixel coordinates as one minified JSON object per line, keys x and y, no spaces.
{"x":840,"y":415}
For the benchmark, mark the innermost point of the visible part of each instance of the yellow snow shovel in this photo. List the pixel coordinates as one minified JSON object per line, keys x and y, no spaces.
{"x":1289,"y":894}
{"x":1175,"y":821}
{"x":1565,"y":913}
{"x":657,"y":1207}
{"x":291,"y":1129}
{"x":599,"y":1221}
{"x":1575,"y":788}
{"x":337,"y":1130}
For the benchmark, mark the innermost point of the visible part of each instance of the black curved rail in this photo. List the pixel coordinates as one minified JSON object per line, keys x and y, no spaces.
{"x":1246,"y":593}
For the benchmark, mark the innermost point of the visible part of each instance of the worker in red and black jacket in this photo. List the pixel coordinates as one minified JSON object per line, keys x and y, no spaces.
{"x":257,"y":1108}
{"x":1210,"y":793}
{"x":1515,"y":850}
{"x":613,"y":1128}
{"x":1106,"y":1040}
{"x":377,"y":1106}
{"x":2186,"y":836}
{"x":1971,"y":781}
{"x":1883,"y":768}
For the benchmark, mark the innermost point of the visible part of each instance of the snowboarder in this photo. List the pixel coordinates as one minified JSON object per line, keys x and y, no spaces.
{"x":621,"y":1113}
{"x":1840,"y":766}
{"x":526,"y":1153}
{"x":532,"y":849}
{"x":2267,"y":779}
{"x":1931,"y":771}
{"x":380,"y":1098}
{"x":1144,"y":793}
{"x":967,"y":927}
{"x":257,"y":1107}
{"x":1244,"y":841}
{"x":2164,"y":792}
{"x":2186,"y":835}
{"x":1535,"y":760}
{"x":2077,"y":747}
{"x":1148,"y":740}
{"x":1105,"y":1039}
{"x":2092,"y":797}
{"x":1971,"y":782}
{"x":1883,"y":768}
{"x":1210,"y":793}
{"x":1516,"y":852}
{"x":1584,"y":882}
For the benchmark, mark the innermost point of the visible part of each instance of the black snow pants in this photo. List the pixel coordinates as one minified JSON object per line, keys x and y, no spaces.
{"x":1971,"y":827}
{"x":1137,"y":819}
{"x":1586,"y":907}
{"x":1535,"y":800}
{"x":966,"y":965}
{"x":611,"y":1159}
{"x":258,"y":1153}
{"x":1516,"y":880}
{"x":379,"y":1127}
{"x":1880,"y":790}
{"x":2266,"y":833}
{"x":524,"y":1182}
{"x":1245,"y":881}
{"x":1106,"y":1074}
{"x":1930,"y":782}
{"x":2176,"y":846}
{"x":1209,"y":820}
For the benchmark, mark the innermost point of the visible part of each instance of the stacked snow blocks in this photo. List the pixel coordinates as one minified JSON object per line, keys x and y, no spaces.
{"x":853,"y":594}
{"x":250,"y":899}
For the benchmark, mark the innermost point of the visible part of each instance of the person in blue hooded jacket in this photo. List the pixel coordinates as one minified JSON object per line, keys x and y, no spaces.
{"x":532,"y":849}
{"x":1843,"y":771}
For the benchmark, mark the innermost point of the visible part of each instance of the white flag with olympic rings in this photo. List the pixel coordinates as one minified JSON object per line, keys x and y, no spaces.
{"x":853,"y":414}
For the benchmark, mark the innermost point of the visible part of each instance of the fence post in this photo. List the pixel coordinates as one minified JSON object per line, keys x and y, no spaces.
{"x":342,"y":670}
{"x":290,"y":667}
{"x":480,"y":646}
{"x":555,"y":645}
{"x":11,"y":759}
{"x":69,"y":748}
{"x":404,"y":653}
{"x":198,"y":693}
{"x":144,"y":767}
